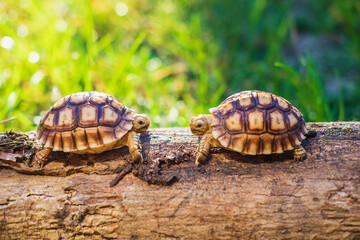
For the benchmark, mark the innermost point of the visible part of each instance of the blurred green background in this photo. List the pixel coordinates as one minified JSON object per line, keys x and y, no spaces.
{"x":174,"y":59}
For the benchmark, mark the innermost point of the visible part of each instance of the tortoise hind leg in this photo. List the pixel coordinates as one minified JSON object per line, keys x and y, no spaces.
{"x":299,"y":153}
{"x":42,"y":156}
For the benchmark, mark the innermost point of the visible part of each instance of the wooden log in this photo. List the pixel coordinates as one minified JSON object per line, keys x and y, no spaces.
{"x":230,"y":197}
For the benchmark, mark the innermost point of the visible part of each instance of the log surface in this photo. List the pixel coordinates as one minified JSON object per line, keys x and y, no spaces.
{"x":168,"y":197}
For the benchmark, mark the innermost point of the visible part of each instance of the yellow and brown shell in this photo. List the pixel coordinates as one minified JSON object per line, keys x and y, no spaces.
{"x":255,"y":122}
{"x":85,"y":122}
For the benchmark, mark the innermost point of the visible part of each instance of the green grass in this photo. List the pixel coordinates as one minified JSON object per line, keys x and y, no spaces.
{"x":174,"y":59}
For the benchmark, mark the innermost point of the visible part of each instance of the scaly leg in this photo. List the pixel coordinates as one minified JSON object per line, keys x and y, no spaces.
{"x":203,"y":148}
{"x":299,"y":153}
{"x":41,"y":157}
{"x":134,"y":147}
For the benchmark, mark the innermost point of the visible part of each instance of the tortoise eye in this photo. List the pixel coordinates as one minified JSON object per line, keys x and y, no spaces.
{"x":199,"y":125}
{"x":141,"y":122}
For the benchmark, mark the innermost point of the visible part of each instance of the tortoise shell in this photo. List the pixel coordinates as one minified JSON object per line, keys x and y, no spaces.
{"x":255,"y":122}
{"x":85,"y":122}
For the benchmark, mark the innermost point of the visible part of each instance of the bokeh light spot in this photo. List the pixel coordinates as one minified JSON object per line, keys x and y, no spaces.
{"x":173,"y":114}
{"x":61,"y":25}
{"x":25,"y":4}
{"x":75,"y":55}
{"x":61,"y":9}
{"x":131,"y":76}
{"x":12,"y":16}
{"x":12,"y":100}
{"x":7,"y":42}
{"x":153,"y":64}
{"x":37,"y":77}
{"x":5,"y":75}
{"x":34,"y":57}
{"x":94,"y":35}
{"x":55,"y":94}
{"x":37,"y":119}
{"x":168,"y":7}
{"x":22,"y":31}
{"x":121,"y":9}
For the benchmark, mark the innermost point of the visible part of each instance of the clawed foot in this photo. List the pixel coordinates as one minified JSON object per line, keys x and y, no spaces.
{"x":137,"y":157}
{"x":299,"y":153}
{"x":298,"y":158}
{"x":200,"y":158}
{"x":39,"y":164}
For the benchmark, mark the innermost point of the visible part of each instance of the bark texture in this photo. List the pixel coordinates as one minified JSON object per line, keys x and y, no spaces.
{"x":168,"y":197}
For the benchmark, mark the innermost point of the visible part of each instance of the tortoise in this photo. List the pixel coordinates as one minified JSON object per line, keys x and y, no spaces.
{"x":251,"y":123}
{"x":89,"y":122}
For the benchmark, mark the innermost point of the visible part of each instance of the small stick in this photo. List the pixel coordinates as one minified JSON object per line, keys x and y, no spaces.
{"x":122,"y":174}
{"x":7,"y":120}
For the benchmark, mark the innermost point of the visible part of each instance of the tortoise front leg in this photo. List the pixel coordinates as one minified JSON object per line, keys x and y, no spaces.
{"x":134,"y":147}
{"x":42,"y":156}
{"x":299,"y":153}
{"x":203,"y":148}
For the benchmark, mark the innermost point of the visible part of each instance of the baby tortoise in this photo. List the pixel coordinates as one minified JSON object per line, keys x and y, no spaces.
{"x":89,"y":122}
{"x":251,"y":123}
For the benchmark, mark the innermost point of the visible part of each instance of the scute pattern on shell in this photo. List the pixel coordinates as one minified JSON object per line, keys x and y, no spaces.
{"x":84,"y":122}
{"x":256,"y":122}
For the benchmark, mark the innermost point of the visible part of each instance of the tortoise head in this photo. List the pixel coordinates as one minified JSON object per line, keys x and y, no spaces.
{"x":140,"y":123}
{"x":201,"y":124}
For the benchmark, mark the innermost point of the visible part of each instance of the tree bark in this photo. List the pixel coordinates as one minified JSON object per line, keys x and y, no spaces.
{"x":168,"y":197}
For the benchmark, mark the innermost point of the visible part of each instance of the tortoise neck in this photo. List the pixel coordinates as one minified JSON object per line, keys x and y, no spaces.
{"x":208,"y":118}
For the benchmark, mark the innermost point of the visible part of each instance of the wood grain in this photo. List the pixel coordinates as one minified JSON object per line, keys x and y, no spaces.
{"x":230,"y":197}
